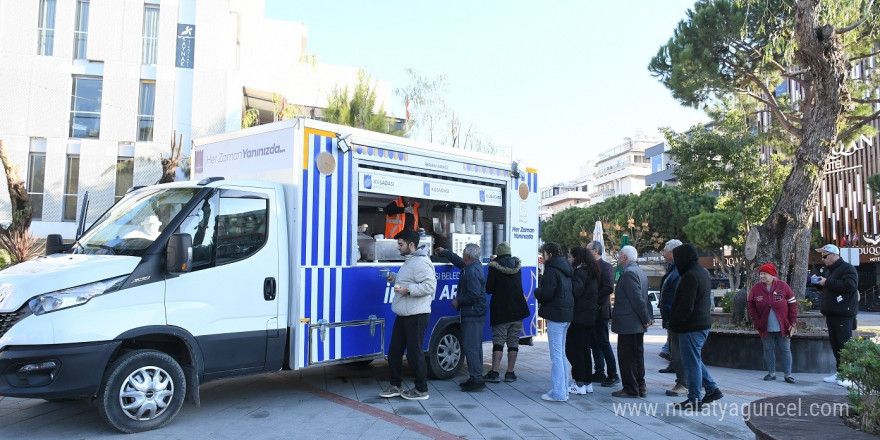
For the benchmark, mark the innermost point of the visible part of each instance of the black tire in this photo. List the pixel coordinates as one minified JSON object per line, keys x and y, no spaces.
{"x":445,"y":357}
{"x":150,"y":375}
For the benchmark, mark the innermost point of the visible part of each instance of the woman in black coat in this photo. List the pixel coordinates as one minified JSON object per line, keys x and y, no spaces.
{"x":556,"y":306}
{"x":585,"y":290}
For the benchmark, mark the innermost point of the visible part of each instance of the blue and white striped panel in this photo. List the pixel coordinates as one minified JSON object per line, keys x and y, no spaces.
{"x":327,"y":222}
{"x":320,"y":293}
{"x":531,"y":179}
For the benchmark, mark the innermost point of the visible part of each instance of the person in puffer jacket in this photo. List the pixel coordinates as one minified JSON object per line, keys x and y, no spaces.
{"x":507,"y":309}
{"x":556,"y":306}
{"x":414,"y":287}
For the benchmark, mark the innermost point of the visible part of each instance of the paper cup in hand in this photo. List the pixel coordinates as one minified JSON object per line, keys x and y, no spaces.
{"x":384,"y":273}
{"x":815,"y":279}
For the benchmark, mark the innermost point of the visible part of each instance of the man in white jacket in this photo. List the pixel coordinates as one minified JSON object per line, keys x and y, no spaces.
{"x":414,"y":287}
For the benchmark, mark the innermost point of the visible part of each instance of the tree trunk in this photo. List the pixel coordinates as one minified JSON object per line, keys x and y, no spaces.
{"x":18,"y":196}
{"x":819,"y":50}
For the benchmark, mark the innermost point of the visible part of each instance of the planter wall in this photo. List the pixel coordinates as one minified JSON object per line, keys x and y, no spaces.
{"x":810,"y":353}
{"x":811,"y":319}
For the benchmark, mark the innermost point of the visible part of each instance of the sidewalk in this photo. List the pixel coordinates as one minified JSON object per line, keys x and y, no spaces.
{"x":341,"y":402}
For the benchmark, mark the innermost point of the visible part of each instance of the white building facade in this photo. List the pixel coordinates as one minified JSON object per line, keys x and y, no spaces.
{"x":87,"y":84}
{"x":622,"y":169}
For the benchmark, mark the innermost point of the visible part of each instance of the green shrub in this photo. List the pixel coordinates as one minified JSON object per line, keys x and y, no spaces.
{"x":860,"y":363}
{"x":727,"y":302}
{"x":804,"y":305}
{"x":5,"y":259}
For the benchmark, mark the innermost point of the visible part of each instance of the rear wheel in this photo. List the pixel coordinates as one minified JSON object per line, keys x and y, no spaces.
{"x":142,"y":390}
{"x":444,"y":355}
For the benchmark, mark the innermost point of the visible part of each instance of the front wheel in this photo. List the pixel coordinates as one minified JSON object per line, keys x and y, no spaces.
{"x":142,"y":390}
{"x":444,"y":355}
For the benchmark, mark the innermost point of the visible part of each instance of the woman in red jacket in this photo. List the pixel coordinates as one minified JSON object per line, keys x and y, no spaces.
{"x":773,"y":309}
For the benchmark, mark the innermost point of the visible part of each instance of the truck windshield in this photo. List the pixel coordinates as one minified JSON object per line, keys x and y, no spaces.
{"x":131,"y":226}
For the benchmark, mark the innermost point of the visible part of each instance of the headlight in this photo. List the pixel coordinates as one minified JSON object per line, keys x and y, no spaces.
{"x":75,"y":296}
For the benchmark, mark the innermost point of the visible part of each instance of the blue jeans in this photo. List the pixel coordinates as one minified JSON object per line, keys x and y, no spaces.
{"x":556,"y":333}
{"x":472,"y":345}
{"x":773,"y":341}
{"x":691,"y":347}
{"x":665,"y":348}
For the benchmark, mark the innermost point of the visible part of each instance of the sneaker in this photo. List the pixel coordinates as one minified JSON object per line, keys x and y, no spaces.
{"x":492,"y":377}
{"x":668,"y":369}
{"x":666,"y":356}
{"x":550,"y":399}
{"x":789,"y":379}
{"x":687,"y":405}
{"x":713,"y":396}
{"x":510,"y":376}
{"x":831,"y":379}
{"x":466,"y":383}
{"x":610,"y":381}
{"x":770,"y":377}
{"x":414,"y":394}
{"x":473,"y":386}
{"x":598,"y":377}
{"x":677,"y":390}
{"x":581,"y":390}
{"x":391,"y":391}
{"x":845,"y":383}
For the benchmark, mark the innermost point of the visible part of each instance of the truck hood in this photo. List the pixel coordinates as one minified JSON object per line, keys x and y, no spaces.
{"x":23,"y":281}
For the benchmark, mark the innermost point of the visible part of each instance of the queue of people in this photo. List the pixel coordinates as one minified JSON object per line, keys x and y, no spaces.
{"x":573,"y":299}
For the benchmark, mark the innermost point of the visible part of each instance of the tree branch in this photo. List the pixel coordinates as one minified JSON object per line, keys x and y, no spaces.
{"x":863,"y":120}
{"x":770,"y":100}
{"x":858,"y":23}
{"x":866,"y":101}
{"x":861,"y":57}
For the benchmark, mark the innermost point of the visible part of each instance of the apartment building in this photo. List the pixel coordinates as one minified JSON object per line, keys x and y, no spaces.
{"x":622,"y":169}
{"x":89,"y":84}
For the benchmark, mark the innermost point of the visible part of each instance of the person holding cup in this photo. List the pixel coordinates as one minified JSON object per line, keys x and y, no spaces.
{"x":414,"y":287}
{"x":773,"y":309}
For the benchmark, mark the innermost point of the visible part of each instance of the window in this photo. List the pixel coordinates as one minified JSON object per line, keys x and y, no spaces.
{"x":145,"y":110}
{"x":35,"y":180}
{"x":226,"y":228}
{"x":124,"y":177}
{"x":46,"y":28}
{"x":81,"y":30}
{"x":71,"y":189}
{"x":151,"y":34}
{"x":85,"y":107}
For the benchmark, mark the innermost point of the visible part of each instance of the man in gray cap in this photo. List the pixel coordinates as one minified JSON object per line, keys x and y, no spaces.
{"x":840,"y":302}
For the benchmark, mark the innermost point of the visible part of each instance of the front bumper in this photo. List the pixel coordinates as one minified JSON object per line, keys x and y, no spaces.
{"x":56,"y":371}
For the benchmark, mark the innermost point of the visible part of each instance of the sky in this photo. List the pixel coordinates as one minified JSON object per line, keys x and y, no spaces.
{"x":556,"y":82}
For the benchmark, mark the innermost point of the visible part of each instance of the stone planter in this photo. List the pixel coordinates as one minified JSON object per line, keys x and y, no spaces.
{"x":743,"y":349}
{"x":805,"y":320}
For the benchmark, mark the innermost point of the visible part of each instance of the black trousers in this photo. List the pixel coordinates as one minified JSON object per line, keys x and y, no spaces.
{"x":631,"y":357}
{"x":577,"y":349}
{"x":603,"y":354}
{"x":408,"y":333}
{"x":840,"y":330}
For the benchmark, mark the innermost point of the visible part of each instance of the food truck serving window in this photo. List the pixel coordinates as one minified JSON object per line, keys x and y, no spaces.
{"x":395,"y":184}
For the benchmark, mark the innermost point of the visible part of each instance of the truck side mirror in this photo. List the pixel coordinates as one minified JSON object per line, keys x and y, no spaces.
{"x":178,"y":254}
{"x":54,"y":244}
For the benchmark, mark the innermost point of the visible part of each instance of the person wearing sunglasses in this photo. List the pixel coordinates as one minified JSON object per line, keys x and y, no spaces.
{"x":840,"y":302}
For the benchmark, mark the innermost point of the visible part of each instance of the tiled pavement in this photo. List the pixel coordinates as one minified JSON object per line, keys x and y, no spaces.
{"x":341,"y":402}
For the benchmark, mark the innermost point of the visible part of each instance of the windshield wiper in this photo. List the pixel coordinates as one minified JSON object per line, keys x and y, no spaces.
{"x":102,"y":246}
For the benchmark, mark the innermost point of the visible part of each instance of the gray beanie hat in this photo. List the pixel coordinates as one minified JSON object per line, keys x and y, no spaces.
{"x":502,"y":249}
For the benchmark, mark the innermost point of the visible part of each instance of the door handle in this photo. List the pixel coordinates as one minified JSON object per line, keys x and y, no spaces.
{"x":269,"y":289}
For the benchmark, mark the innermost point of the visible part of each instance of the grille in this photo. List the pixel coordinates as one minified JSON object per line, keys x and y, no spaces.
{"x":7,"y":320}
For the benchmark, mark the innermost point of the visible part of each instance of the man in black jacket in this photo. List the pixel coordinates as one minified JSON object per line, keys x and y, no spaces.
{"x":507,"y":309}
{"x":691,"y":318}
{"x":471,"y":303}
{"x":840,"y":302}
{"x":603,"y":354}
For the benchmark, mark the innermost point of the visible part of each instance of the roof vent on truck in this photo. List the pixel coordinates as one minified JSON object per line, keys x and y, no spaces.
{"x":208,"y":180}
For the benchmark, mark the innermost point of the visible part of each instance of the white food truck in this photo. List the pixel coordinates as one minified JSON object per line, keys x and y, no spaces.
{"x":268,"y":259}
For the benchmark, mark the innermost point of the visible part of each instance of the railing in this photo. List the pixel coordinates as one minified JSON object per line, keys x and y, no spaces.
{"x":869,"y":298}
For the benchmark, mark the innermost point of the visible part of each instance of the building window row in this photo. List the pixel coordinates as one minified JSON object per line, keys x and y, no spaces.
{"x":85,"y":108}
{"x":46,"y":31}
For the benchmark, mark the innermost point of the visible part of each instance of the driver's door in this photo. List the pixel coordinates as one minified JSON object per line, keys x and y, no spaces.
{"x":224,"y":301}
